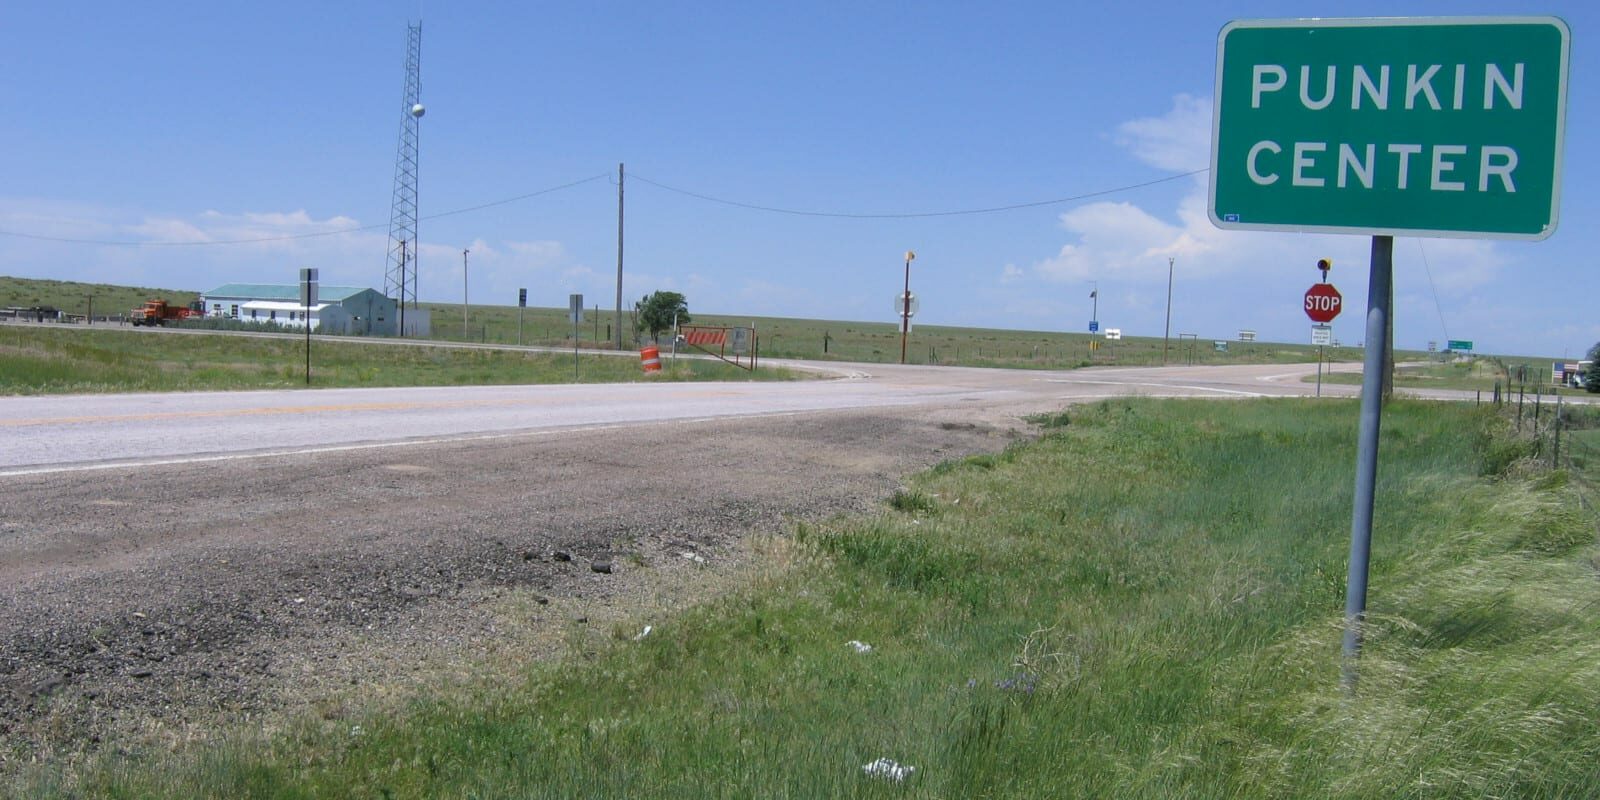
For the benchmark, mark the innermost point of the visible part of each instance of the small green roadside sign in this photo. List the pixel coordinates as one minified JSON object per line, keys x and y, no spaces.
{"x":1446,"y":126}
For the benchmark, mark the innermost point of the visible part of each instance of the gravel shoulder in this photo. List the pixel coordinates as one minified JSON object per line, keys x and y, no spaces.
{"x":159,"y":605}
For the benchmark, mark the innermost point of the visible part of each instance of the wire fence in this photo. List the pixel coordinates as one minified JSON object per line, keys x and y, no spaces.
{"x":1563,"y":435}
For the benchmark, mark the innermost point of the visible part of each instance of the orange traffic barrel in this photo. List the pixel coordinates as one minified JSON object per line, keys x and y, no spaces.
{"x":650,"y":357}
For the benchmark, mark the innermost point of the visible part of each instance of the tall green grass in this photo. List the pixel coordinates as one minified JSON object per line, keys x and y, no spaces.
{"x":1147,"y":602}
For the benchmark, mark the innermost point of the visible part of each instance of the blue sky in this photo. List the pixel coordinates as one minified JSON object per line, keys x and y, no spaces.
{"x":160,"y":122}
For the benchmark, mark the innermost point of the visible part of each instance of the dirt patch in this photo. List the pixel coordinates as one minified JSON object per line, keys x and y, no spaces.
{"x":146,"y":606}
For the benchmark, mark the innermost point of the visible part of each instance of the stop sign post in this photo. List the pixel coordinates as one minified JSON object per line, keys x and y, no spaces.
{"x":1323,"y":302}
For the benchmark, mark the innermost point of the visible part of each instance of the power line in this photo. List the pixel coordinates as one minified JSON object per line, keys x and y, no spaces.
{"x":607,"y":175}
{"x":915,"y":215}
{"x":492,"y":204}
{"x":291,"y":237}
{"x":1435,"y":290}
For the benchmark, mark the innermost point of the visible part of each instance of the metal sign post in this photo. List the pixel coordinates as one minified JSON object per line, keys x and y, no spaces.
{"x":575,"y":310}
{"x":522,"y":303}
{"x":1374,"y":366}
{"x":1319,"y":370}
{"x":308,"y":298}
{"x":1321,"y":336}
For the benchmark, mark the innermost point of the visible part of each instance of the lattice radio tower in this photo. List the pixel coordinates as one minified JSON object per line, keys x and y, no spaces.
{"x":401,"y":277}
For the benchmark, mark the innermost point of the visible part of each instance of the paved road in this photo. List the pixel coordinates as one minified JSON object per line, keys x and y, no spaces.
{"x":48,"y":434}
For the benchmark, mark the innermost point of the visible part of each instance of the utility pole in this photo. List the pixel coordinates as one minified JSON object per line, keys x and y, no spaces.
{"x":619,"y":256}
{"x":464,"y":294}
{"x":1168,"y":331}
{"x":905,"y":308}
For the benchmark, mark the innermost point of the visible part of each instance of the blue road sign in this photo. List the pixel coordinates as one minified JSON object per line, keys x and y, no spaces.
{"x":1094,"y":326}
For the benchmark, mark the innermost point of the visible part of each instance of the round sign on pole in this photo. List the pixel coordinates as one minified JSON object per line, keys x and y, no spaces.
{"x":1323,"y":302}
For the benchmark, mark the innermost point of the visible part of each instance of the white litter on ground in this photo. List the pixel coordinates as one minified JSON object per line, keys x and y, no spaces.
{"x":888,"y":770}
{"x":861,"y":647}
{"x":643,"y":633}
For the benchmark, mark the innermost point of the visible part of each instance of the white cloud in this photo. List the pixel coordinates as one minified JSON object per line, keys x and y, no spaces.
{"x":1582,"y":336}
{"x":1113,"y":239}
{"x":538,"y":254}
{"x":171,"y":251}
{"x":169,"y":230}
{"x":497,"y":271}
{"x":1011,"y":274}
{"x":1228,"y":279}
{"x":1458,"y":266}
{"x":1032,"y":306}
{"x":1179,"y":141}
{"x":54,"y":218}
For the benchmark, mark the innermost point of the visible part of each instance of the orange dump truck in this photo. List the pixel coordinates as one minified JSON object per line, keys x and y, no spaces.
{"x":160,"y":312}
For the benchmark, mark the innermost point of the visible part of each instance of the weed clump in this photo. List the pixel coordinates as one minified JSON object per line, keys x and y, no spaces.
{"x":1060,"y":419}
{"x":911,"y":501}
{"x":1499,"y":450}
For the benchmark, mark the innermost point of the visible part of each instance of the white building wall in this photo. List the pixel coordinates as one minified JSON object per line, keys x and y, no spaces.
{"x":365,"y":313}
{"x":293,"y":315}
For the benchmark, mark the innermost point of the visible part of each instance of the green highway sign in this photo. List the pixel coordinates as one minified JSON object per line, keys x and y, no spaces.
{"x":1448,"y":126}
{"x":1459,"y":346}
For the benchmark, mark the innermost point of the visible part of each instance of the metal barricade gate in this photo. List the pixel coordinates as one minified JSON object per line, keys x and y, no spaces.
{"x":737,"y":342}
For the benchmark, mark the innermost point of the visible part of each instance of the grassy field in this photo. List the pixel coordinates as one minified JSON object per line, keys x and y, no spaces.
{"x":872,"y":342}
{"x":1147,"y":602}
{"x":879,"y":342}
{"x":51,"y":359}
{"x":73,"y":297}
{"x":1469,"y":374}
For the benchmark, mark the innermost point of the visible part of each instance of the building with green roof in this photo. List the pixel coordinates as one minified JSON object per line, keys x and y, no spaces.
{"x":339,"y":309}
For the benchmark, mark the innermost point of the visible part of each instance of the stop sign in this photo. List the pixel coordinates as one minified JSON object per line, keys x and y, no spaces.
{"x":1323,"y":302}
